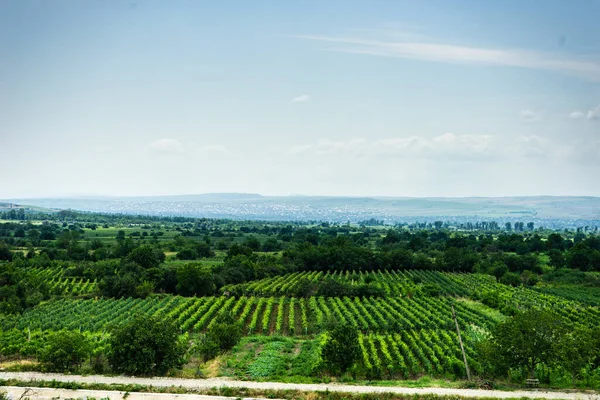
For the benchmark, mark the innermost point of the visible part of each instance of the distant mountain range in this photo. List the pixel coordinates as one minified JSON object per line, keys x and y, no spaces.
{"x":255,"y":206}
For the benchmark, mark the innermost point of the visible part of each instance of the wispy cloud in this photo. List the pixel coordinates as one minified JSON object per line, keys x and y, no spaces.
{"x":529,"y":115}
{"x":301,"y":99}
{"x":449,"y":53}
{"x":594,"y":113}
{"x":166,"y":146}
{"x":576,"y":115}
{"x":462,"y":147}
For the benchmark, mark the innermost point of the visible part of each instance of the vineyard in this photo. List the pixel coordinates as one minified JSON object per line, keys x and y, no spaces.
{"x":403,"y":284}
{"x":419,"y":340}
{"x":61,"y":285}
{"x":405,"y":334}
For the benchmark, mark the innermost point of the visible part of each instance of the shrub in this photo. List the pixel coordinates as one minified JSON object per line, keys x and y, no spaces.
{"x":145,"y":346}
{"x":221,"y":336}
{"x":341,"y":349}
{"x":64,"y":350}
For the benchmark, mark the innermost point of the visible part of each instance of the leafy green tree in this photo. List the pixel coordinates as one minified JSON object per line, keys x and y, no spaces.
{"x":193,"y":280}
{"x":203,"y":249}
{"x":253,"y":243}
{"x":237,"y":249}
{"x":187,"y":254}
{"x":526,"y":340}
{"x":146,"y":257}
{"x":557,"y":259}
{"x":271,"y":244}
{"x":225,"y":333}
{"x":5,"y":253}
{"x":511,"y":278}
{"x":555,"y":241}
{"x":341,"y":349}
{"x":120,"y":285}
{"x":575,"y":350}
{"x":145,"y":346}
{"x":65,"y":350}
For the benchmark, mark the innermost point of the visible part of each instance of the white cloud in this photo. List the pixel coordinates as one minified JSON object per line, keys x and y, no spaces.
{"x":529,"y":115}
{"x":447,"y":144}
{"x":440,"y":52}
{"x":594,"y":113}
{"x":465,"y":147}
{"x":166,"y":146}
{"x":576,"y":115}
{"x":301,"y":99}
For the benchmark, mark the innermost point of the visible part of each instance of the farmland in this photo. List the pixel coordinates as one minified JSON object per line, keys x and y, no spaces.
{"x":288,"y":285}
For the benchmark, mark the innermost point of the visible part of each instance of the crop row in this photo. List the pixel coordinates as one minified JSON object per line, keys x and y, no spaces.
{"x":282,"y":315}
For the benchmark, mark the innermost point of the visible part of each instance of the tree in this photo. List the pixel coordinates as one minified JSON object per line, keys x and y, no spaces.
{"x":192,"y":280}
{"x":119,"y":286}
{"x":64,"y":350}
{"x":187,"y":254}
{"x":526,"y":340}
{"x":203,"y":249}
{"x":145,"y":346}
{"x":5,"y":253}
{"x":253,"y":243}
{"x":146,"y":257}
{"x":557,"y":259}
{"x":555,"y":241}
{"x":575,"y":350}
{"x":225,"y":333}
{"x":341,"y":349}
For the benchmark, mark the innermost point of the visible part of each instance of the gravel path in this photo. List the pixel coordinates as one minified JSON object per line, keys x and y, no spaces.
{"x":54,"y":394}
{"x":223,"y":382}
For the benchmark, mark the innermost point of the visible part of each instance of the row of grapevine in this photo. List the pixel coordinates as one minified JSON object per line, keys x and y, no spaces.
{"x":280,"y":315}
{"x":411,"y":353}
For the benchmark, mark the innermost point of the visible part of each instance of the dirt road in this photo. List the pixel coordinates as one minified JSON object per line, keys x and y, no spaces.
{"x":54,"y":394}
{"x":223,"y":382}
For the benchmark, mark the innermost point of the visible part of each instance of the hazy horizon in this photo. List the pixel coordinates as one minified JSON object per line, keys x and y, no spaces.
{"x":371,"y":196}
{"x":339,"y":98}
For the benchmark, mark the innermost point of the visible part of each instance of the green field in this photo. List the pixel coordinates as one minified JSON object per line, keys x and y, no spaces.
{"x":289,"y":285}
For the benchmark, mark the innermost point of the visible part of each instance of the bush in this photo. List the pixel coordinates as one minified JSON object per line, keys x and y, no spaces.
{"x":145,"y":346}
{"x":64,"y":350}
{"x":187,"y":254}
{"x":221,"y":336}
{"x":341,"y":349}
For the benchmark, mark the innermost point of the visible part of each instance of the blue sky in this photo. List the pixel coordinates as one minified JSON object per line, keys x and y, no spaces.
{"x":396,"y":98}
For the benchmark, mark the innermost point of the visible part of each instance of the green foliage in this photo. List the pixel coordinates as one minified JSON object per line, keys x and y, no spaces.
{"x":341,"y":349}
{"x":224,"y":333}
{"x":431,"y":290}
{"x":194,"y":280}
{"x":145,"y":346}
{"x":271,"y":360}
{"x":526,"y":340}
{"x":576,"y":349}
{"x":64,"y":350}
{"x":146,"y":257}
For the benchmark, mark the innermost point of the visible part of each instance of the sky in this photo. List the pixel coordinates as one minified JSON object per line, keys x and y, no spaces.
{"x":358,"y":98}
